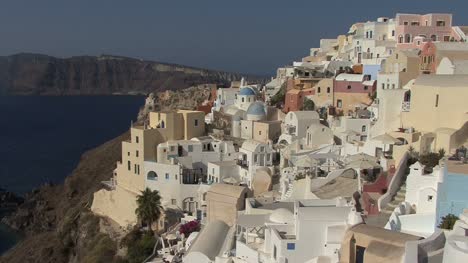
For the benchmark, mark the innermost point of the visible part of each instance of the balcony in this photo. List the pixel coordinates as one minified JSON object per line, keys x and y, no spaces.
{"x":406,"y":106}
{"x":193,"y":176}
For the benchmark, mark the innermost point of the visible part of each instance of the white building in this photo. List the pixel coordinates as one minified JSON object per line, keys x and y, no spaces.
{"x":280,"y":232}
{"x":254,"y":155}
{"x":417,"y":214}
{"x":296,"y":124}
{"x":456,"y":246}
{"x":181,"y":169}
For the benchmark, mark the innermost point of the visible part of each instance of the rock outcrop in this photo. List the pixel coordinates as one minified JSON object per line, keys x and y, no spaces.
{"x":34,"y":74}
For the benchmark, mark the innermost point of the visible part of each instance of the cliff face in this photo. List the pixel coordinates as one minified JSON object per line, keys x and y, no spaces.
{"x":33,"y":74}
{"x":57,"y":223}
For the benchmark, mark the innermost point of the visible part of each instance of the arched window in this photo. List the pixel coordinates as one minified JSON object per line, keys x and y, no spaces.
{"x":434,"y":38}
{"x":407,"y":38}
{"x":318,"y":90}
{"x":152,"y":176}
{"x":328,"y":89}
{"x":363,"y":128}
{"x":400,"y":39}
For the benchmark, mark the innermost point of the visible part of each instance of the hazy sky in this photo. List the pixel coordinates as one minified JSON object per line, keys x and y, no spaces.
{"x":254,"y":36}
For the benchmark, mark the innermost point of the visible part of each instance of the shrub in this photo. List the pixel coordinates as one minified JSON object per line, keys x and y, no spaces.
{"x":139,"y":245}
{"x":448,"y":221}
{"x":308,"y":105}
{"x":430,"y":160}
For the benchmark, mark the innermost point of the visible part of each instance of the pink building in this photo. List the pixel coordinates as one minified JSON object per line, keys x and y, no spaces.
{"x":411,"y":29}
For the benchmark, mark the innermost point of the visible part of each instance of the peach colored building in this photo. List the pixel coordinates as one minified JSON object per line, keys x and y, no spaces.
{"x":224,"y":201}
{"x":435,"y":27}
{"x":351,"y":91}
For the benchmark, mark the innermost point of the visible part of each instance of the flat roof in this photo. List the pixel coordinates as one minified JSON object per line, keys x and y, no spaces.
{"x":457,"y":167}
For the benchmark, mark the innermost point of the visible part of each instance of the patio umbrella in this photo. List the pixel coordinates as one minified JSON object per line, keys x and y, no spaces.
{"x":362,"y":164}
{"x":306,"y":162}
{"x":386,"y":139}
{"x":230,"y":180}
{"x":359,"y":157}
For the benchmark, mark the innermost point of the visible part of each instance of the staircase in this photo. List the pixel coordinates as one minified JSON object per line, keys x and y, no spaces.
{"x":381,"y":219}
{"x":288,"y":193}
{"x":399,"y":197}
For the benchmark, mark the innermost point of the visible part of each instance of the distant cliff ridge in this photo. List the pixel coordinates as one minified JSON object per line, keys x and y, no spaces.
{"x":35,"y":74}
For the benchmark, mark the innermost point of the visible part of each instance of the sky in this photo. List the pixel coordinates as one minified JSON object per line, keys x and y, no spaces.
{"x":247,"y":36}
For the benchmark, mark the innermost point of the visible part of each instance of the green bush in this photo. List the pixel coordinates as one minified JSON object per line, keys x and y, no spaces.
{"x":448,"y":221}
{"x":139,"y":245}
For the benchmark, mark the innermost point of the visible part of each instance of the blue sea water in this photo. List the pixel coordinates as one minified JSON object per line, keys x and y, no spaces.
{"x":42,"y":138}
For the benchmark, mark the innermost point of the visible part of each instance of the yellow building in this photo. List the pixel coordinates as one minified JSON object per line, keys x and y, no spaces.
{"x":435,"y":113}
{"x":118,"y":200}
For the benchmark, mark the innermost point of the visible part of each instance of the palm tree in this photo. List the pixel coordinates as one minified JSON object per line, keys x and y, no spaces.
{"x":149,"y":207}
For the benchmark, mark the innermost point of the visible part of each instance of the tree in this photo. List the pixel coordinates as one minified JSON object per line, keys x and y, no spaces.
{"x":149,"y":207}
{"x":448,"y":221}
{"x":441,"y":153}
{"x":308,"y":104}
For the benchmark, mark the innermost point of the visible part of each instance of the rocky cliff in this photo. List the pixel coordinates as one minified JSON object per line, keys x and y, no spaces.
{"x":57,"y":223}
{"x":34,"y":74}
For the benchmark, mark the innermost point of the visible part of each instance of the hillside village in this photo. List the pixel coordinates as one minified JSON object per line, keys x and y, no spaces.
{"x":356,"y":153}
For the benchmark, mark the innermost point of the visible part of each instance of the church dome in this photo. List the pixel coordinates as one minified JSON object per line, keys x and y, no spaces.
{"x":282,"y":216}
{"x":247,"y":91}
{"x":256,"y":108}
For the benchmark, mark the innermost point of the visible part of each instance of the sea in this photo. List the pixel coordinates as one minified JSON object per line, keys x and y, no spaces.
{"x":43,"y":137}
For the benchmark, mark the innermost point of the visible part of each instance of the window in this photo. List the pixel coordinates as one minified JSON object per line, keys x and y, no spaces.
{"x":405,"y":23}
{"x":172,"y":148}
{"x":128,"y":153}
{"x":291,"y":246}
{"x":167,"y":176}
{"x":339,"y":104}
{"x":437,"y":100}
{"x":393,"y":86}
{"x":363,"y":128}
{"x":446,"y":38}
{"x":318,"y":90}
{"x":400,"y":39}
{"x":268,"y":157}
{"x":176,"y":177}
{"x":367,"y":34}
{"x":152,"y":176}
{"x":383,"y":85}
{"x":366,"y":87}
{"x":174,"y":201}
{"x":440,"y":23}
{"x":388,"y":85}
{"x":129,"y":165}
{"x":328,"y":89}
{"x":415,"y":23}
{"x":393,"y":33}
{"x":255,"y":158}
{"x":349,"y":86}
{"x":259,"y":132}
{"x":274,"y":252}
{"x":196,"y":122}
{"x":137,"y":139}
{"x":190,"y":148}
{"x":262,"y":148}
{"x":136,"y":153}
{"x":429,"y":198}
{"x":407,"y":38}
{"x":242,"y":99}
{"x":370,"y":34}
{"x":434,"y":38}
{"x":135,"y":169}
